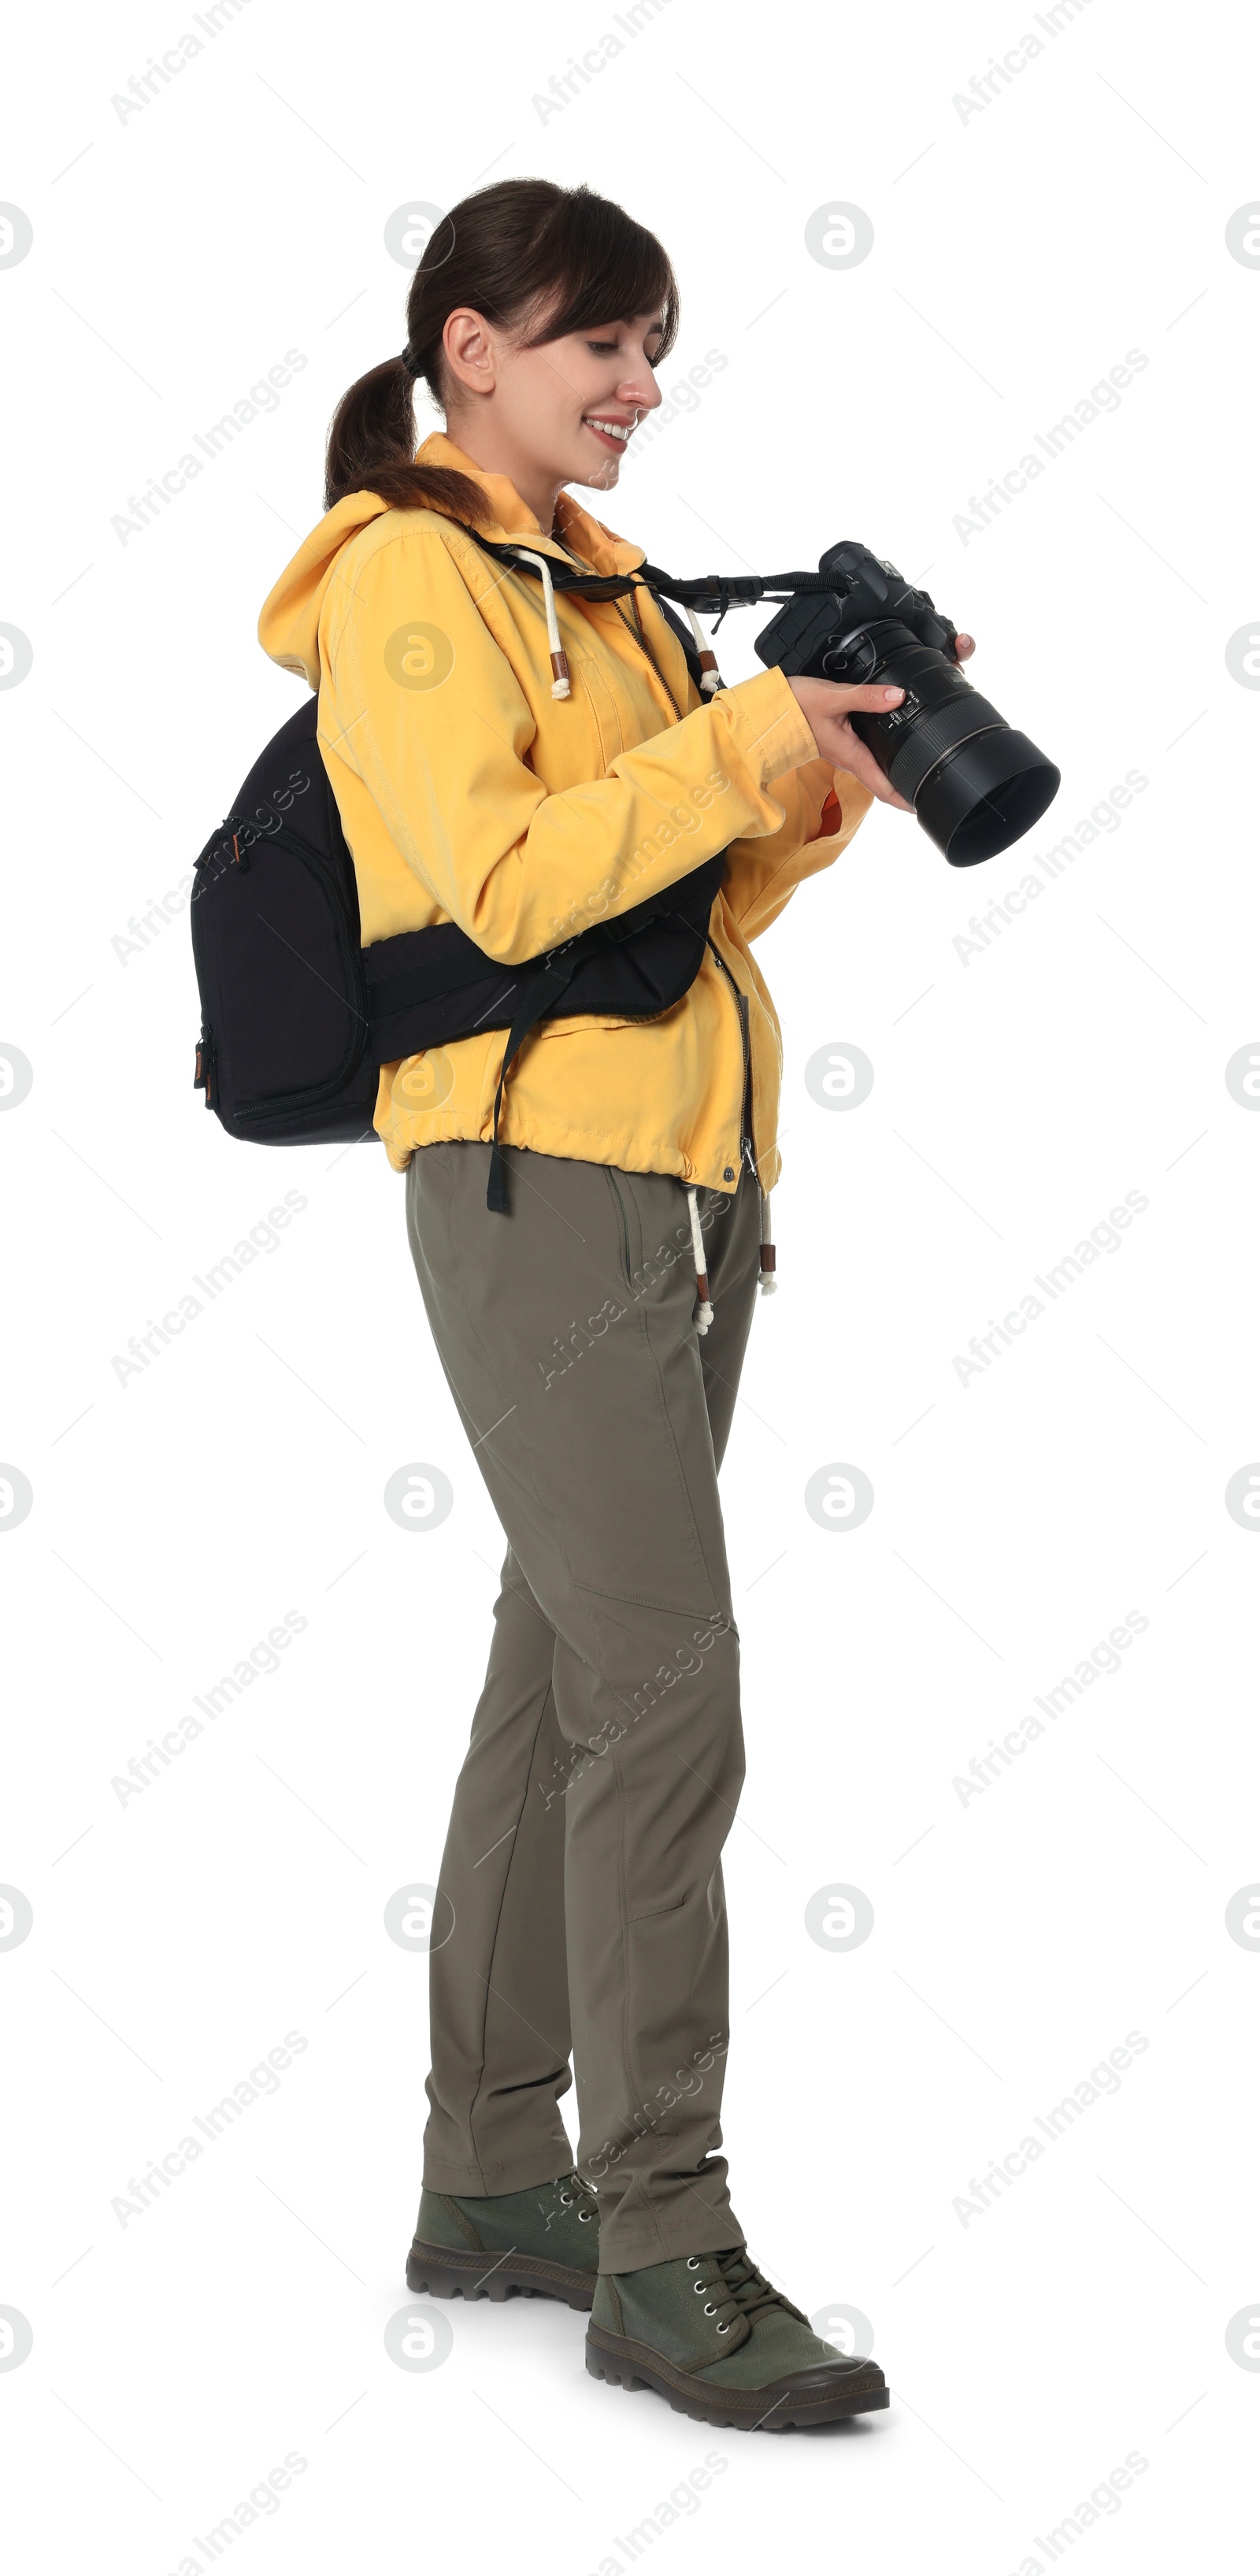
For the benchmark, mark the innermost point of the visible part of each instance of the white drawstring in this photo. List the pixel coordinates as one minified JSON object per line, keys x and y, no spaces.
{"x":559,"y":661}
{"x":768,"y":1282}
{"x":709,"y":675}
{"x":705,"y":1316}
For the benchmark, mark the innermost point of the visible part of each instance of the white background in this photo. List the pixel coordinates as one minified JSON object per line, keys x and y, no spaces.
{"x":1019,"y":252}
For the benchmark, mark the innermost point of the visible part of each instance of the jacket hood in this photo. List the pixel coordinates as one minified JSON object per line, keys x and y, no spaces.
{"x":288,"y":628}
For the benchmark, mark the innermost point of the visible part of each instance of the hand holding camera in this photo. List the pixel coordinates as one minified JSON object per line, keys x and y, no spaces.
{"x":827,"y":705}
{"x":933,"y":743}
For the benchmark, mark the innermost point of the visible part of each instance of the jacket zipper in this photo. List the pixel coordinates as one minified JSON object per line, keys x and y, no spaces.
{"x":747,"y":1149}
{"x":642,"y":638}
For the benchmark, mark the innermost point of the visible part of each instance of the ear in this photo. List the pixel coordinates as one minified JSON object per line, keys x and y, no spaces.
{"x":469,"y":349}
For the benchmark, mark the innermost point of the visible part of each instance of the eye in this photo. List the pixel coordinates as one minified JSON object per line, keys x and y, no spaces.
{"x":609,"y":348}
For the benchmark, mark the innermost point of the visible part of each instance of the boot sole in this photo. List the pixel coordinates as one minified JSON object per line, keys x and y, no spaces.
{"x":774,"y":2409}
{"x":447,"y":2274}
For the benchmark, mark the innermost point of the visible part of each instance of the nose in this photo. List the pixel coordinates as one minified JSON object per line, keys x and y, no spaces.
{"x":641,"y":391}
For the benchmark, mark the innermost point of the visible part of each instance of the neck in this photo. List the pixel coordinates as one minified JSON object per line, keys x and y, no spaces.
{"x":487,"y":448}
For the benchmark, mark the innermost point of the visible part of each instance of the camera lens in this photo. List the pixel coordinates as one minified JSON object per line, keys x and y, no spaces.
{"x":853,"y":661}
{"x":986,"y":794}
{"x":975,"y":785}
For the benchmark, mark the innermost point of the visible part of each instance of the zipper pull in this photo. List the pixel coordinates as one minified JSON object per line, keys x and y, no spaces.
{"x":748,"y":1157}
{"x":768,"y":1283}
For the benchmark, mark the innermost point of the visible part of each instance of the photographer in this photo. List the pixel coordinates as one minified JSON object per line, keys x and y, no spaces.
{"x":523,"y":764}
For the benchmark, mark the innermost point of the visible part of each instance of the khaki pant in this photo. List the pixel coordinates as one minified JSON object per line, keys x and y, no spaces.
{"x":582,"y":1866}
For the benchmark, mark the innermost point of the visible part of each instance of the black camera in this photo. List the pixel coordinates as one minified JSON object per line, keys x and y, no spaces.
{"x":974,"y":783}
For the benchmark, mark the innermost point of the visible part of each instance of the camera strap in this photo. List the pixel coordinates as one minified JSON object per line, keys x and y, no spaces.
{"x":712,"y":594}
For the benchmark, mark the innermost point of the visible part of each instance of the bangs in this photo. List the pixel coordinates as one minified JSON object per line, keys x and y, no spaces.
{"x":603,"y":268}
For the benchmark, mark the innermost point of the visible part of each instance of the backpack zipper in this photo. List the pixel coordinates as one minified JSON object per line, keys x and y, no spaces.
{"x":203,"y":1077}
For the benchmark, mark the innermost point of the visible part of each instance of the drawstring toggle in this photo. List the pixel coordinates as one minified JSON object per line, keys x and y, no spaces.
{"x":559,"y":660}
{"x":768,"y":1282}
{"x":705,"y":1316}
{"x":710,"y":677}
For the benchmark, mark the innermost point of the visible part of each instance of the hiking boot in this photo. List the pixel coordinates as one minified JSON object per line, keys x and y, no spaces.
{"x":708,"y":2332}
{"x":543,"y":2243}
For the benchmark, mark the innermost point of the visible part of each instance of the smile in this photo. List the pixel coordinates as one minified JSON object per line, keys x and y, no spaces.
{"x":614,"y":432}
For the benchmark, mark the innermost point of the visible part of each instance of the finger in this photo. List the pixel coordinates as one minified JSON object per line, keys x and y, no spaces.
{"x":880,"y":785}
{"x":873,"y":699}
{"x":862,"y":765}
{"x":964,"y":647}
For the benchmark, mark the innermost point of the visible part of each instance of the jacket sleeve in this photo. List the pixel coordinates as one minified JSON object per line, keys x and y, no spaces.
{"x":762,"y":874}
{"x":448,"y":767}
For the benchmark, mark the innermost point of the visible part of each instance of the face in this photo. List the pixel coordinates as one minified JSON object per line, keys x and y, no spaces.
{"x":560,"y":413}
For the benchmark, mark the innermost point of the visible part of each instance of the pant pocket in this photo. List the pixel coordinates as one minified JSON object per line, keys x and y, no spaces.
{"x":623,"y":1224}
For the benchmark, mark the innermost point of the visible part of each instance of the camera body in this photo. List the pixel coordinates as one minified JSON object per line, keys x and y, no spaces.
{"x":975,"y":784}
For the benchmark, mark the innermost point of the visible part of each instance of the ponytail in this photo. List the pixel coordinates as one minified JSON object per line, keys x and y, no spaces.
{"x":535,"y":259}
{"x":371,"y":447}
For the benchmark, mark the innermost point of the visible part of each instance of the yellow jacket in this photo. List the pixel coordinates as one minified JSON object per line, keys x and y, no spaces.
{"x":469,"y":794}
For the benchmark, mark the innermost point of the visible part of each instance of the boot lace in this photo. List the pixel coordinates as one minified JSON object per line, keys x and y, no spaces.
{"x":739,"y":2290}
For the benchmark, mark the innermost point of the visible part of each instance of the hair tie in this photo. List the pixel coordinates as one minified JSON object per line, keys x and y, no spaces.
{"x":408,"y":363}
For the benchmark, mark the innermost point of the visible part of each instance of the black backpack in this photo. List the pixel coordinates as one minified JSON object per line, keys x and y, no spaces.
{"x":297,"y":1016}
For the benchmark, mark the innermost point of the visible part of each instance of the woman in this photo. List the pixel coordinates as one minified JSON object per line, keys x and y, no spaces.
{"x":523,"y":763}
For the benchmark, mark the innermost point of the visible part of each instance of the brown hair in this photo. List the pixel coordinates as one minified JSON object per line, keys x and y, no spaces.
{"x":531,"y":256}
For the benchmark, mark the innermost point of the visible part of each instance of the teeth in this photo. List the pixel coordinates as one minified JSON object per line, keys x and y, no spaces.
{"x":612,"y":428}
